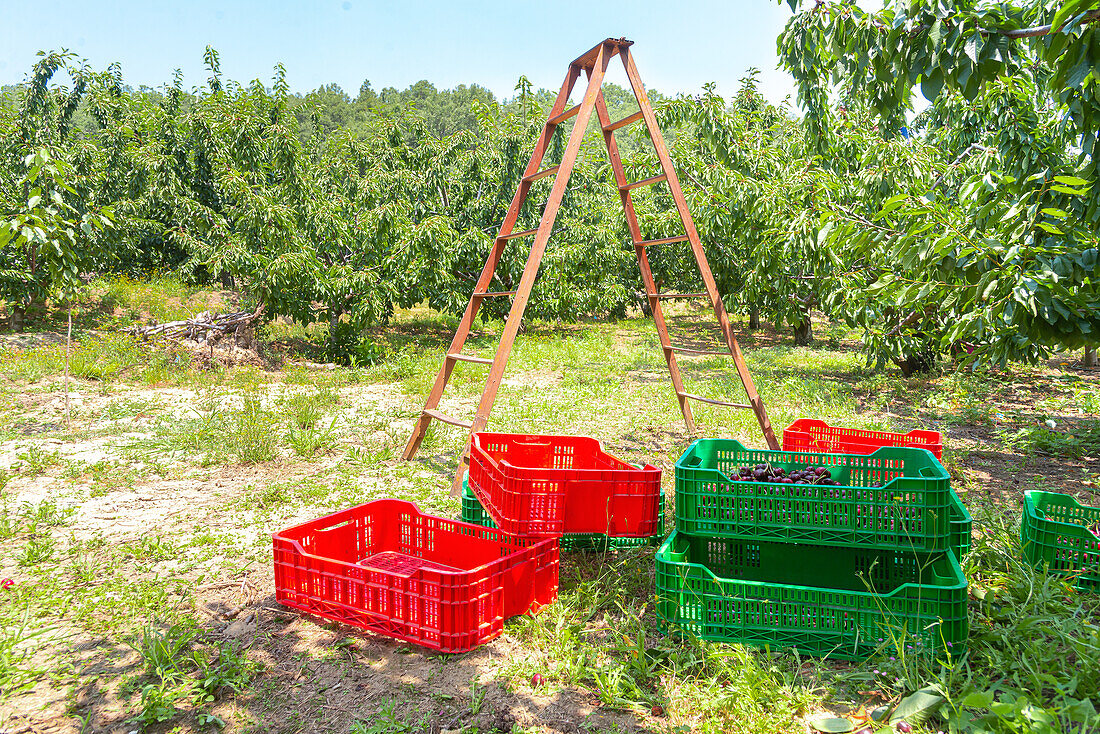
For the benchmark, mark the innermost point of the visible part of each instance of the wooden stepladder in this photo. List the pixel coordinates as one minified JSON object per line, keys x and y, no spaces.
{"x":594,"y":64}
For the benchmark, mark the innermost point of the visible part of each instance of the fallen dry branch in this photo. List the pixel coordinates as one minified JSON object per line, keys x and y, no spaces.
{"x":198,"y":328}
{"x":191,"y":328}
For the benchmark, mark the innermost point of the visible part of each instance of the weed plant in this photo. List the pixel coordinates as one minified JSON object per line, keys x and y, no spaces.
{"x":178,"y":669}
{"x":1040,"y":438}
{"x":19,"y":637}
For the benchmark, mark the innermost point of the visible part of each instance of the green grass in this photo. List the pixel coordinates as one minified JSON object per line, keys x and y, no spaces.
{"x":1043,"y":439}
{"x":216,"y":429}
{"x":109,"y":357}
{"x":309,"y":442}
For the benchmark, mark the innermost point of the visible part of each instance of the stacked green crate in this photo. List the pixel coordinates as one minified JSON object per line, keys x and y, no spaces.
{"x":832,"y":569}
{"x":1062,"y":535}
{"x":473,"y":512}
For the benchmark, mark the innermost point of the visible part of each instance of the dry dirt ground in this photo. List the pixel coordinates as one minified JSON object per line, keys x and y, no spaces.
{"x":316,"y":676}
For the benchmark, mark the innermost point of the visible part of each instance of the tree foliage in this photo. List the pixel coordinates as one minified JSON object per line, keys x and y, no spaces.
{"x":991,"y":248}
{"x":974,"y":235}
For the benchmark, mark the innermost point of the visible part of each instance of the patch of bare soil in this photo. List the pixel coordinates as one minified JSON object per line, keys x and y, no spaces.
{"x":30,"y":340}
{"x":992,"y":477}
{"x":322,"y":677}
{"x":316,"y":676}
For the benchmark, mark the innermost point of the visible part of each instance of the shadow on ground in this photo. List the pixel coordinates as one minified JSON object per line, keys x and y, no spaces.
{"x":320,"y":676}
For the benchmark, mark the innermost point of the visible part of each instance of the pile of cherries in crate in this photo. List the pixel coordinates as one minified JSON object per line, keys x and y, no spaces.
{"x":779,"y":475}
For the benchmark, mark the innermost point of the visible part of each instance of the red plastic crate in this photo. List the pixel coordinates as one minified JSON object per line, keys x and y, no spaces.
{"x":540,"y":486}
{"x":808,"y":434}
{"x":388,"y":568}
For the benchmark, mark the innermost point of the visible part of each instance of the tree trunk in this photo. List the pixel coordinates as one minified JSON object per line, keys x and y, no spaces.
{"x":18,"y":315}
{"x":333,"y":327}
{"x":804,"y":332}
{"x":754,"y":318}
{"x":68,"y":350}
{"x":1088,"y":361}
{"x":917,"y":364}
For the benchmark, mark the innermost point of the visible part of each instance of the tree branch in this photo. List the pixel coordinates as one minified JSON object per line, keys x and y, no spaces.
{"x":1043,"y":30}
{"x":911,"y":318}
{"x":957,"y":161}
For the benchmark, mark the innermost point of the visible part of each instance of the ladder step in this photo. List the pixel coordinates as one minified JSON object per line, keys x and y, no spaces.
{"x":542,"y":174}
{"x":712,"y":401}
{"x":644,"y":182}
{"x":494,"y":293}
{"x":662,"y":241}
{"x":676,"y":295}
{"x":564,"y":116}
{"x":688,"y":350}
{"x":624,"y":122}
{"x":514,"y":235}
{"x":447,"y":419}
{"x":468,"y":358}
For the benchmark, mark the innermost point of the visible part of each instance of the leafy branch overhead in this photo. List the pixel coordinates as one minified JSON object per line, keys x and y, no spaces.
{"x":956,"y":46}
{"x":990,"y":247}
{"x":48,"y":238}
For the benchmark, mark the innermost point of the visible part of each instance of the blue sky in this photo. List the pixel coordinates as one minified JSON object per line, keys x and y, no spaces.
{"x":679,"y":46}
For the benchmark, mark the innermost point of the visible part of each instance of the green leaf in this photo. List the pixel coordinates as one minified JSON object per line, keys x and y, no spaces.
{"x":1067,"y":11}
{"x":1082,"y":711}
{"x":917,"y":707}
{"x":978,"y":699}
{"x":973,"y":47}
{"x":831,"y":725}
{"x":1068,"y":190}
{"x":931,"y":84}
{"x":1071,"y":180}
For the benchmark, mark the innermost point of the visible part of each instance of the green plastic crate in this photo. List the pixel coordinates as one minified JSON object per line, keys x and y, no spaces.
{"x":473,"y":512}
{"x":1055,"y":532}
{"x":817,"y":599}
{"x":962,"y":526}
{"x":911,"y":511}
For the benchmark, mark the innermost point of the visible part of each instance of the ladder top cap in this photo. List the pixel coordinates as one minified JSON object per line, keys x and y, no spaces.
{"x":589,"y":57}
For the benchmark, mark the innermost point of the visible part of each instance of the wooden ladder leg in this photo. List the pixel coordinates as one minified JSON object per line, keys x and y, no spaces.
{"x":697,"y":248}
{"x":643,"y":262}
{"x":487,"y":272}
{"x":530,"y":270}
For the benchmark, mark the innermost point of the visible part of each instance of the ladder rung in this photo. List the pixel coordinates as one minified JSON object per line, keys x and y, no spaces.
{"x":644,"y":182}
{"x":689,"y":350}
{"x":564,"y":116}
{"x":468,"y":358}
{"x":712,"y":401}
{"x":494,"y":293}
{"x":662,"y":241}
{"x":676,"y":295}
{"x":542,"y":174}
{"x":514,"y":235}
{"x":446,"y":418}
{"x":624,"y":122}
